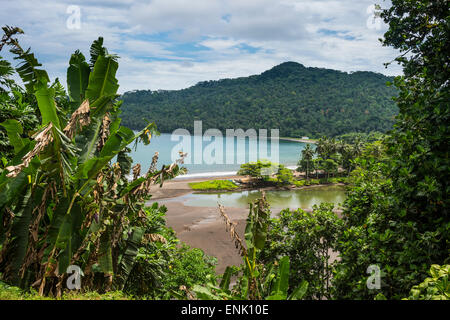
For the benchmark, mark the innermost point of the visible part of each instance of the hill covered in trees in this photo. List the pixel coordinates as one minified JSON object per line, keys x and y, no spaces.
{"x":298,"y":100}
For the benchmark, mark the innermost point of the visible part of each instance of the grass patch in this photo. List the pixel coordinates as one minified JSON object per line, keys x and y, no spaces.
{"x":339,"y":180}
{"x":8,"y":292}
{"x":213,"y":185}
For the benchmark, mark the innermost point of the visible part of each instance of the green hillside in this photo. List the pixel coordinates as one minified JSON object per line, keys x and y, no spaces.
{"x":298,"y":100}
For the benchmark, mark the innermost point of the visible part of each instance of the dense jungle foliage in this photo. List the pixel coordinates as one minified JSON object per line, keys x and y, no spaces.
{"x":395,"y":216}
{"x":65,"y":195}
{"x":65,"y":198}
{"x":299,"y":101}
{"x":396,"y":213}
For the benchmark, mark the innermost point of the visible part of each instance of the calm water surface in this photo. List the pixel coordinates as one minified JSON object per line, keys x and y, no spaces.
{"x":278,"y":199}
{"x":289,"y":153}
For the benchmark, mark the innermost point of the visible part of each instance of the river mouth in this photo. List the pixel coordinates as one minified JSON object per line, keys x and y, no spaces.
{"x":304,"y":198}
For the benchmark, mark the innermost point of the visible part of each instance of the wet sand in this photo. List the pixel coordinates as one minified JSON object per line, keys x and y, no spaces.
{"x":313,"y":141}
{"x":202,"y":227}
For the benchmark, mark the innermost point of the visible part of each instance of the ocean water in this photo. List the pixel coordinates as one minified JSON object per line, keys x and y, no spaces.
{"x":208,"y":162}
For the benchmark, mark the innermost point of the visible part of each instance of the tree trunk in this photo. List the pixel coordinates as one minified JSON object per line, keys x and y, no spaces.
{"x":307,"y":169}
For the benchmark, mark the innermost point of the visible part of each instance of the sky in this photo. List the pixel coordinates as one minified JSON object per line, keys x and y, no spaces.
{"x":173,"y":44}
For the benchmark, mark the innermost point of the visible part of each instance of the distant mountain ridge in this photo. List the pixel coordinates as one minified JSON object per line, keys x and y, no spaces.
{"x":298,"y":100}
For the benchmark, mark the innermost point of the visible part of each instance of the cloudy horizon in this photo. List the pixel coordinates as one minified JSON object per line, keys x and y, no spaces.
{"x":174,"y":44}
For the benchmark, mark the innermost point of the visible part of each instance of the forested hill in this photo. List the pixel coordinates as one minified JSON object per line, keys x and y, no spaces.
{"x":299,"y":101}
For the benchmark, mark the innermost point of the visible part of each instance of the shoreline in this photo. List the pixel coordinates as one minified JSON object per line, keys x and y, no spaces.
{"x":203,"y":227}
{"x":178,"y":187}
{"x":312,"y":141}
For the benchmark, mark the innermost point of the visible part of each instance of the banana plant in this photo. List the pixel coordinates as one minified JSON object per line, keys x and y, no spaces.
{"x":279,"y":289}
{"x":257,"y":281}
{"x":62,"y":200}
{"x":273,"y":285}
{"x":255,"y":238}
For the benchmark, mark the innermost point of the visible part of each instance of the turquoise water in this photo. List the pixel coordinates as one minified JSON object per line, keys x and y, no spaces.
{"x":288,"y":151}
{"x":278,"y":199}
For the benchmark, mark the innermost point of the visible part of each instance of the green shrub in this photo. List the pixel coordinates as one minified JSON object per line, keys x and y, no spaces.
{"x":284,"y":176}
{"x":189,"y":267}
{"x":437,"y":287}
{"x":256,"y":280}
{"x":338,"y":180}
{"x":163,"y":266}
{"x":266,"y":171}
{"x":299,"y":183}
{"x":258,"y":169}
{"x":306,"y":238}
{"x":312,"y":182}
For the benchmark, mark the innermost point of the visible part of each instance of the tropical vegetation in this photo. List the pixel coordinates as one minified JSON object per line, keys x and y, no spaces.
{"x":256,"y":280}
{"x":70,"y":195}
{"x":266,"y":173}
{"x":65,"y":198}
{"x":396,"y":213}
{"x":435,"y":287}
{"x":300,"y":101}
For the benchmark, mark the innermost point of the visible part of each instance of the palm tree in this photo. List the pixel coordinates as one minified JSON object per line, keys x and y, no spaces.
{"x":307,"y":156}
{"x":333,"y":145}
{"x":329,"y":166}
{"x":326,"y":147}
{"x":321,"y":148}
{"x":317,"y":165}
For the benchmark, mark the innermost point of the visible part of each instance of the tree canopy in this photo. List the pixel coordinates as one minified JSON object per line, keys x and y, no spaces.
{"x":300,"y":101}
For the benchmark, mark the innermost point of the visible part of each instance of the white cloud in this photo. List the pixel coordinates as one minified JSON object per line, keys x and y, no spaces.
{"x":146,"y":49}
{"x":172,"y":44}
{"x":220,"y":44}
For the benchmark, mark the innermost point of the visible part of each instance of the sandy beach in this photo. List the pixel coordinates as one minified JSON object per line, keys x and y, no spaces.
{"x":202,"y":227}
{"x":313,"y":141}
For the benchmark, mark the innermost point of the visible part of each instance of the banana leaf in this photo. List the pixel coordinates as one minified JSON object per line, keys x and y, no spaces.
{"x":127,"y":260}
{"x":18,"y":244}
{"x":97,"y":49}
{"x":14,"y":130}
{"x":280,"y":289}
{"x":27,"y":69}
{"x":225,"y":282}
{"x":87,"y":140}
{"x":300,"y":291}
{"x":102,"y":80}
{"x":105,"y":254}
{"x":45,"y":97}
{"x":77,"y":77}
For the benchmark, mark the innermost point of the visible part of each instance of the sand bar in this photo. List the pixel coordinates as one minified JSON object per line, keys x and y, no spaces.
{"x":202,"y":227}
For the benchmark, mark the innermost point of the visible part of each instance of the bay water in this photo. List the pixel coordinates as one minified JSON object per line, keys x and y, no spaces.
{"x":288,"y":154}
